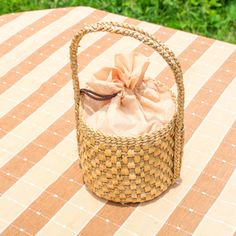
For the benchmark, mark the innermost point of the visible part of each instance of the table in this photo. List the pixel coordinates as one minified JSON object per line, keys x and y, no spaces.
{"x":41,"y":187}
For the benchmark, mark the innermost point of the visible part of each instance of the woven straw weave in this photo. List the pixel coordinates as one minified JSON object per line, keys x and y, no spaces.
{"x":129,"y":169}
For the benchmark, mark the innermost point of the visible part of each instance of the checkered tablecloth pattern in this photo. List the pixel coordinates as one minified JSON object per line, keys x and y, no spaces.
{"x":41,"y":187}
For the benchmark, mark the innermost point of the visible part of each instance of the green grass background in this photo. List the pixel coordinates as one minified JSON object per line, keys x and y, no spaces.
{"x":212,"y":18}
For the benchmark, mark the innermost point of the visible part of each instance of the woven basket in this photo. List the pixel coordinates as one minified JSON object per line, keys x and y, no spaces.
{"x":129,"y":169}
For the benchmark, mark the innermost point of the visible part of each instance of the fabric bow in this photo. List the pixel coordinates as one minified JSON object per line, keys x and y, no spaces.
{"x":128,"y":73}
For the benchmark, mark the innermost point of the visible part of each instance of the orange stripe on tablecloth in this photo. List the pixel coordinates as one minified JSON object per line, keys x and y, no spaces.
{"x":191,"y":210}
{"x":101,"y":227}
{"x":38,"y":56}
{"x":31,"y":29}
{"x":107,"y":211}
{"x":60,"y":126}
{"x":201,"y":203}
{"x":35,"y":151}
{"x":4,"y":19}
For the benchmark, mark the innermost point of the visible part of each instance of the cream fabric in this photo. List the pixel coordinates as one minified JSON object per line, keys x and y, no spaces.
{"x":141,"y":105}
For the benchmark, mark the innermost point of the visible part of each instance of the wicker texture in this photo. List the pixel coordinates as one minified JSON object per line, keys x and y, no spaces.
{"x":129,"y":169}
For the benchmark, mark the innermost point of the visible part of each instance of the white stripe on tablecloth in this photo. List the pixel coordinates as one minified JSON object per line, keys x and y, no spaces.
{"x":56,"y":229}
{"x":16,"y":25}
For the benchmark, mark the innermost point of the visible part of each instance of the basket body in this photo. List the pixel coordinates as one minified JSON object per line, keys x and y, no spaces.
{"x":129,"y":169}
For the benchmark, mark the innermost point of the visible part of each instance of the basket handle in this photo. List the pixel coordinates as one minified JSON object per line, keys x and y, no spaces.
{"x":146,"y":38}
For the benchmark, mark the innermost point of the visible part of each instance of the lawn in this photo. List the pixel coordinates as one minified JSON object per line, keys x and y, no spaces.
{"x":212,"y":18}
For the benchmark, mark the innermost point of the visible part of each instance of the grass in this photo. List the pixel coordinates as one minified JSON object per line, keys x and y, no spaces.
{"x":211,"y":18}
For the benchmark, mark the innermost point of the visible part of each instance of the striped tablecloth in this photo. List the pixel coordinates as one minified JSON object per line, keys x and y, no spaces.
{"x":41,"y":188}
